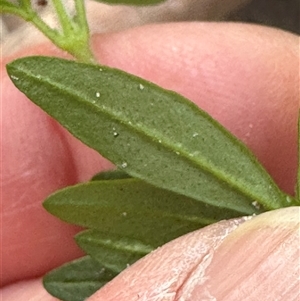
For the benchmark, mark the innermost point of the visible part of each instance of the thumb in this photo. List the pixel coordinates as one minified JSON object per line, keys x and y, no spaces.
{"x":234,"y":260}
{"x":256,"y":259}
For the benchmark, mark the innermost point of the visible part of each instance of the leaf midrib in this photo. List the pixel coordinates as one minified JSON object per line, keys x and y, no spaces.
{"x":237,"y":186}
{"x":212,"y":170}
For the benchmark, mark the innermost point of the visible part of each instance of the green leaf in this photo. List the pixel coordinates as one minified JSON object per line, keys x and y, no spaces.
{"x":132,"y":2}
{"x":133,"y":208}
{"x":78,"y":279}
{"x":151,"y":133}
{"x":110,"y":175}
{"x":113,"y":251}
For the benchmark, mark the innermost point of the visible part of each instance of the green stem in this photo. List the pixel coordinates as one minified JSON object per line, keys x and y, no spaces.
{"x":81,"y":15}
{"x":31,"y":16}
{"x":9,"y":8}
{"x":63,"y":17}
{"x":25,"y":3}
{"x":74,"y":36}
{"x":52,"y":34}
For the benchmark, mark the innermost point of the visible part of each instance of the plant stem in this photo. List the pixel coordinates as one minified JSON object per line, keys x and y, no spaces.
{"x":74,"y":36}
{"x":63,"y":17}
{"x":50,"y":33}
{"x":9,"y":8}
{"x":25,"y":3}
{"x":81,"y":15}
{"x":75,"y":32}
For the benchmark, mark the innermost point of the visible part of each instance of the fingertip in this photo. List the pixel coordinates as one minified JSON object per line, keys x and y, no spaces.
{"x":30,"y":290}
{"x":246,"y":259}
{"x":257,"y":261}
{"x":160,"y":274}
{"x":245,"y":76}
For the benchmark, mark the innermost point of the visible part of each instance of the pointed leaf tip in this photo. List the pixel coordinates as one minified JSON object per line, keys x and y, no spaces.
{"x":78,"y":279}
{"x":134,"y":209}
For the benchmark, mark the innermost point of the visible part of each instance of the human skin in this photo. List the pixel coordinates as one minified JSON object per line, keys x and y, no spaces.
{"x":247,"y":77}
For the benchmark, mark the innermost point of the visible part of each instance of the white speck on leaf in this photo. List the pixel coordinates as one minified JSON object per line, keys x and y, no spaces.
{"x":115,"y":133}
{"x":256,"y":204}
{"x":195,"y":135}
{"x":141,"y":87}
{"x":98,"y":94}
{"x":14,"y":77}
{"x":288,"y":199}
{"x":124,"y":164}
{"x":124,"y":213}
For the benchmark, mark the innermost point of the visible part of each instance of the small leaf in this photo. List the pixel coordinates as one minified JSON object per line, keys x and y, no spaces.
{"x":110,"y":175}
{"x":113,"y":251}
{"x":132,"y":2}
{"x":151,"y":133}
{"x":133,"y":208}
{"x":78,"y":279}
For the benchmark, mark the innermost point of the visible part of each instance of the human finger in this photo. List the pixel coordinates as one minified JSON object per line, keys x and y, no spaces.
{"x":256,"y":260}
{"x":27,"y":290}
{"x":241,"y":259}
{"x":225,"y":78}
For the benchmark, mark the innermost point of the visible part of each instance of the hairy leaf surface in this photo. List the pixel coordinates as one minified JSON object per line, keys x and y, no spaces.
{"x":132,"y":208}
{"x":151,"y":133}
{"x":78,"y":279}
{"x":113,"y":251}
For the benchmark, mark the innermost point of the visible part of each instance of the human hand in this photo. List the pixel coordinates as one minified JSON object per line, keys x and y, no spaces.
{"x":244,"y":76}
